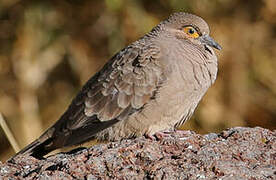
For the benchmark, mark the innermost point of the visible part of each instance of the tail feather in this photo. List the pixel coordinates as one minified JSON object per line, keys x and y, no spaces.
{"x":53,"y":139}
{"x":37,"y":148}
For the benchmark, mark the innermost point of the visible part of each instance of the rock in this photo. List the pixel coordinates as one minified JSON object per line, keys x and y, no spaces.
{"x":237,"y":153}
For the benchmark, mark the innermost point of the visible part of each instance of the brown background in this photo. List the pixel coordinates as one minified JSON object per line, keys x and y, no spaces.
{"x":49,"y":49}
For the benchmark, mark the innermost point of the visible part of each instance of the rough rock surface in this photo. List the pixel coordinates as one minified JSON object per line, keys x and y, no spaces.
{"x":237,"y":153}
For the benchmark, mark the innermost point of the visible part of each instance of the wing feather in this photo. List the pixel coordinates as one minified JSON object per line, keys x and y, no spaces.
{"x":124,"y":85}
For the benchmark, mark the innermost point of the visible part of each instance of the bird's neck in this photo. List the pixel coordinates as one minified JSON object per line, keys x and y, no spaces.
{"x":191,"y":64}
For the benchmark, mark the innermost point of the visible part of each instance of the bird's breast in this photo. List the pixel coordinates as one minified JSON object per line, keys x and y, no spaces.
{"x":188,"y":74}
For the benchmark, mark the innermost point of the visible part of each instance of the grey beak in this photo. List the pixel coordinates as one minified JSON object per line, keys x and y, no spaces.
{"x":210,"y":41}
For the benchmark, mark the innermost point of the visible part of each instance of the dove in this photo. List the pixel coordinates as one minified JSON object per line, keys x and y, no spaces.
{"x":152,"y":85}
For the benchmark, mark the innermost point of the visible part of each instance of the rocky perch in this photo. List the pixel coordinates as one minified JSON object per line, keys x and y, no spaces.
{"x":236,"y":153}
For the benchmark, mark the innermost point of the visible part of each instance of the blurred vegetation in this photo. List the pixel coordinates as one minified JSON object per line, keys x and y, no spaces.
{"x":49,"y":49}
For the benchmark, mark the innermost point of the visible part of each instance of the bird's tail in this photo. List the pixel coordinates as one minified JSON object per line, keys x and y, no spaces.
{"x":52,"y":139}
{"x":37,"y":148}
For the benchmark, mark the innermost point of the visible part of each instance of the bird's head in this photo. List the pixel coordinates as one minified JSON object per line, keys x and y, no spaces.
{"x":190,"y":28}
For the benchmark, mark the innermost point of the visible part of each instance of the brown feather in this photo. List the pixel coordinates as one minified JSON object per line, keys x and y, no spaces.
{"x":91,"y":101}
{"x":110,"y":111}
{"x":137,"y":102}
{"x":125,"y":87}
{"x":94,"y":90}
{"x":97,"y":107}
{"x":123,"y":100}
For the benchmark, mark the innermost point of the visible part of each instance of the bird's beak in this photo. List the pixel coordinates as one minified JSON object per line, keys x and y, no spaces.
{"x":210,"y":41}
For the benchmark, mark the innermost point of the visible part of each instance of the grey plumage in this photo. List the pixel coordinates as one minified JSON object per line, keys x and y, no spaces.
{"x":153,"y":84}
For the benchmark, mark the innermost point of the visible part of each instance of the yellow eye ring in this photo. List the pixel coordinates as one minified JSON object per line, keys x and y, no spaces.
{"x":191,"y":32}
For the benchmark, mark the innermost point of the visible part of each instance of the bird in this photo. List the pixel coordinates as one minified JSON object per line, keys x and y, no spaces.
{"x":152,"y":85}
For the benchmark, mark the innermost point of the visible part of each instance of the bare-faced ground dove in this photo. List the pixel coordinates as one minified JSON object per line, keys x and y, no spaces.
{"x":152,"y":85}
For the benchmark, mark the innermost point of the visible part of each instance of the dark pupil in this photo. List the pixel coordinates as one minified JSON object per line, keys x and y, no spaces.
{"x":191,"y":31}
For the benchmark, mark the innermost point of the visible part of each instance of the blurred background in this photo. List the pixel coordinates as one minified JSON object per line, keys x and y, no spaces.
{"x":49,"y":49}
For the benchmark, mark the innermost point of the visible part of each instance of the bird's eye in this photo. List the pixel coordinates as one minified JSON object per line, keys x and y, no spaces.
{"x":191,"y":31}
